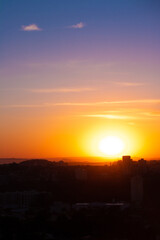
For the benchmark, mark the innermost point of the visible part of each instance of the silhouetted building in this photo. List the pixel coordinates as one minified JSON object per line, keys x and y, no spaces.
{"x":137,"y":190}
{"x":81,"y":174}
{"x":142,"y":166}
{"x":127,"y":164}
{"x":20,"y":199}
{"x":126,"y":159}
{"x":142,"y":162}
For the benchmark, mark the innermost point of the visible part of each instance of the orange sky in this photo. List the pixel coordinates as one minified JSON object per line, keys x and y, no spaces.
{"x":66,"y":131}
{"x":69,"y":80}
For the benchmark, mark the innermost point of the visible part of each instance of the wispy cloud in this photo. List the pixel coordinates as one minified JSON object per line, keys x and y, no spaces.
{"x":126,"y":115}
{"x":143,"y":101}
{"x":77,"y":26}
{"x":152,"y":101}
{"x":43,"y":105}
{"x":130,"y":84}
{"x":23,"y":106}
{"x":152,"y":114}
{"x":61,"y":90}
{"x":109,"y":116}
{"x":31,"y":27}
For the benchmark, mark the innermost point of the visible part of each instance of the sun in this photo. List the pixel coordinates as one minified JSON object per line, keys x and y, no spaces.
{"x":111,"y":145}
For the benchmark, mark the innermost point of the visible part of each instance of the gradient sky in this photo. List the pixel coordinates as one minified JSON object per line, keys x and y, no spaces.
{"x":73,"y":72}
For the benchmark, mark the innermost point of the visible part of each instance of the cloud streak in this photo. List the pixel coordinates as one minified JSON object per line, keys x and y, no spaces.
{"x":130,"y":84}
{"x":143,"y":101}
{"x":152,"y":114}
{"x":79,"y":25}
{"x":109,"y":116}
{"x":61,"y":90}
{"x":31,"y":27}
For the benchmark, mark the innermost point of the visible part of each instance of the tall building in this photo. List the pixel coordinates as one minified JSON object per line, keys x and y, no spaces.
{"x":20,"y":199}
{"x":137,"y":190}
{"x":127,"y":164}
{"x":81,"y":174}
{"x":126,"y":159}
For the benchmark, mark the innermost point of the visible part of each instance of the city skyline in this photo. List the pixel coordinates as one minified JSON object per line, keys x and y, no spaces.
{"x":73,"y":73}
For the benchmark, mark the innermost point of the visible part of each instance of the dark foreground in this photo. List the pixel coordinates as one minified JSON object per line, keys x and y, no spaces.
{"x":46,"y":200}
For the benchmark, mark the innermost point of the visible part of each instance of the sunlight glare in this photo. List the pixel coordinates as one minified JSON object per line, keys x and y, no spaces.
{"x":111,"y":145}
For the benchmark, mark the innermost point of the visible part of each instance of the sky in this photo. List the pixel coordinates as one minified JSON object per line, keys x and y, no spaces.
{"x":74,"y":72}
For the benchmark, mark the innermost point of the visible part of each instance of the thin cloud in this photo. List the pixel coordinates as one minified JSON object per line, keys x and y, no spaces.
{"x":136,"y":101}
{"x":152,"y":114}
{"x":109,"y":116}
{"x":23,"y":106}
{"x":130,"y":84}
{"x":31,"y":27}
{"x":126,"y":115}
{"x":144,"y":101}
{"x":77,"y":26}
{"x":61,"y":90}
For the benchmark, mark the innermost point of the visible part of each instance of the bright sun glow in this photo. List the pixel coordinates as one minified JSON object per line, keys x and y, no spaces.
{"x":111,"y":145}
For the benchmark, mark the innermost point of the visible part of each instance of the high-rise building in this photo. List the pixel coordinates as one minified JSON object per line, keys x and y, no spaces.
{"x":137,"y":190}
{"x":126,"y":159}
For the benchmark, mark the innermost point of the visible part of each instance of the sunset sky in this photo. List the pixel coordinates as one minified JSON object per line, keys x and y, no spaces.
{"x":74,"y":72}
